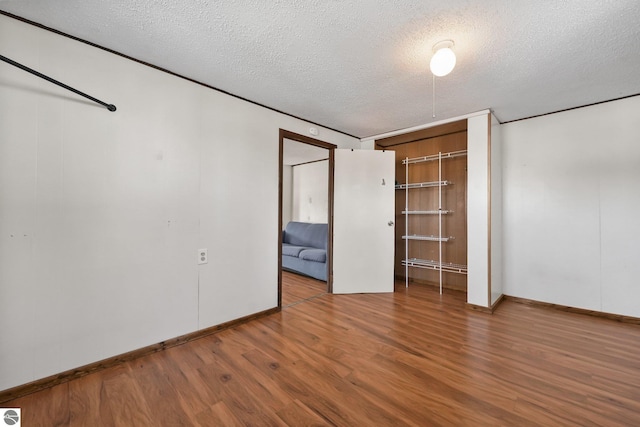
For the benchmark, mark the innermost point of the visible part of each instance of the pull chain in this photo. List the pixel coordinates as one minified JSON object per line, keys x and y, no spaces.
{"x":433,"y":92}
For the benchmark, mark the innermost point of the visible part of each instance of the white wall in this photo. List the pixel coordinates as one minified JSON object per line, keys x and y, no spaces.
{"x":496,"y":211}
{"x":478,"y":152}
{"x":101,"y":213}
{"x":484,"y":210}
{"x":311,"y":192}
{"x":287,"y":194}
{"x":571,"y":201}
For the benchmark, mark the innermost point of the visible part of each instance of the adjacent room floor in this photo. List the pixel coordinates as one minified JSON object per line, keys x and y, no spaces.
{"x":413,"y":357}
{"x":297,"y":288}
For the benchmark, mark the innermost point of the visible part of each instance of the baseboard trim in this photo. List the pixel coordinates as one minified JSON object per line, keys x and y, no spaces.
{"x":617,"y":317}
{"x":497,"y":303}
{"x":488,"y":310}
{"x":478,"y":308}
{"x":63,"y":377}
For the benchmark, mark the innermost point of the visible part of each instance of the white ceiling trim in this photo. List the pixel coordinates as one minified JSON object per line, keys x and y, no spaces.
{"x":373,"y":138}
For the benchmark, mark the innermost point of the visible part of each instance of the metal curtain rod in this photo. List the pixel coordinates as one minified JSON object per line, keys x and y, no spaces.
{"x":109,"y":107}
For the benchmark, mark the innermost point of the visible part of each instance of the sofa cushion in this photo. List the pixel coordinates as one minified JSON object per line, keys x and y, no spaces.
{"x":317,"y":255}
{"x":306,"y":234}
{"x":292,"y":250}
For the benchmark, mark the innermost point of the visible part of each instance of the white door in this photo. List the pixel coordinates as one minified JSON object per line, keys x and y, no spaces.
{"x":363,"y":228}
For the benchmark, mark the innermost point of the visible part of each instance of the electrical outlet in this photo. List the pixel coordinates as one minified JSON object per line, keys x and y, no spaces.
{"x":203,"y":256}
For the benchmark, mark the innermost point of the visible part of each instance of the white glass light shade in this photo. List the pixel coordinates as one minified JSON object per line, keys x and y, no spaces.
{"x":442,"y":62}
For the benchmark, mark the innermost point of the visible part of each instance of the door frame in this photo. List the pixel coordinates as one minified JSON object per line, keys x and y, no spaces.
{"x":285,"y":134}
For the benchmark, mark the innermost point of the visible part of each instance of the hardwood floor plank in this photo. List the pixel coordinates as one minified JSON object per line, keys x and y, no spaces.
{"x":298,"y":414}
{"x":158,"y":392}
{"x":258,"y":385}
{"x":126,"y":401}
{"x":218,"y":414}
{"x":411,"y":358}
{"x":88,"y":404}
{"x":45,"y":408}
{"x":232,"y":387}
{"x":296,"y":288}
{"x":330,"y":397}
{"x":180,"y":366}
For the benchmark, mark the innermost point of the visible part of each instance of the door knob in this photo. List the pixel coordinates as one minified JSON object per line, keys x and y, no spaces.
{"x":390,"y":223}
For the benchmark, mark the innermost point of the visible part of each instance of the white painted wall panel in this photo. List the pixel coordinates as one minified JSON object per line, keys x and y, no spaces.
{"x":239,"y":208}
{"x":311,"y":192}
{"x":619,"y":171}
{"x":570,"y":203}
{"x":287,"y":194}
{"x":101,"y":214}
{"x":478,"y":211}
{"x":496,"y":211}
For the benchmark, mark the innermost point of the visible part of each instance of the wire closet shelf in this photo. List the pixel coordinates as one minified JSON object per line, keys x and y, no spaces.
{"x":439,"y":265}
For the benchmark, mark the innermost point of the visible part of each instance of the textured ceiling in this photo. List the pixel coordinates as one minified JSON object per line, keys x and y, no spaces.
{"x":361,"y":66}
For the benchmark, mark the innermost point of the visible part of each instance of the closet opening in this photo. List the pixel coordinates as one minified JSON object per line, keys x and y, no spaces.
{"x":431,"y":205}
{"x":305,"y":217}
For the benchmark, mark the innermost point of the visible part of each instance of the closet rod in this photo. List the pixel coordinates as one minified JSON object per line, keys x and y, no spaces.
{"x":109,"y":107}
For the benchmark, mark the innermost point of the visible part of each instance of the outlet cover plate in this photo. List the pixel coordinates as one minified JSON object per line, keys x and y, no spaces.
{"x":203,"y":256}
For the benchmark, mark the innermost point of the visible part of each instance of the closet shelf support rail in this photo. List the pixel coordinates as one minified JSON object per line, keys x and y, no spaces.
{"x":433,"y":157}
{"x":428,"y":238}
{"x":109,"y":107}
{"x":422,"y":184}
{"x":446,"y":267}
{"x":438,"y":212}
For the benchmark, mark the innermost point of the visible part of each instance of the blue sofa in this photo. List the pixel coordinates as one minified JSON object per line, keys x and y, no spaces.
{"x":304,"y":249}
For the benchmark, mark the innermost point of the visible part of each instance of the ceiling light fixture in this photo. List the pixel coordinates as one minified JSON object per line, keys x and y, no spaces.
{"x":443,"y":60}
{"x":442,"y":63}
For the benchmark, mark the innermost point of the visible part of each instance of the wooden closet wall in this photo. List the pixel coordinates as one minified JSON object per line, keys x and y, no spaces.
{"x":445,"y":138}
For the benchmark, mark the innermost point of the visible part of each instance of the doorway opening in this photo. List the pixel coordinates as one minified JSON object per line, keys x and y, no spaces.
{"x":314,"y":160}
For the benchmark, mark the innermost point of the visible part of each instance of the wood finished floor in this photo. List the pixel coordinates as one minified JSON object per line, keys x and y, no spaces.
{"x":297,"y":288}
{"x":409,"y":358}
